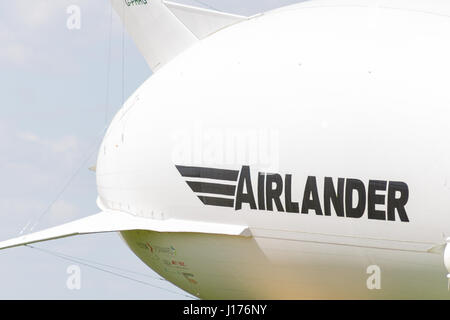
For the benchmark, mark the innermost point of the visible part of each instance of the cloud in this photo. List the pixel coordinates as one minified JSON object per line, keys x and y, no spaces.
{"x":18,"y":20}
{"x":21,"y":20}
{"x":62,"y":210}
{"x":14,"y":53}
{"x":29,"y":151}
{"x":35,"y":14}
{"x":60,"y":145}
{"x":56,"y":154}
{"x":34,"y":170}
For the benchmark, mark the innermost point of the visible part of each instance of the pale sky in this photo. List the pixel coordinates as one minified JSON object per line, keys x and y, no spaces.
{"x":53,"y":84}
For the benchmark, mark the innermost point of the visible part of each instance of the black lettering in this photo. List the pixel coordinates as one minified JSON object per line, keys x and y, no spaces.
{"x":374,"y":199}
{"x":242,"y":197}
{"x":329,"y":194}
{"x":261,"y":179}
{"x":350,"y":186}
{"x":274,"y":194}
{"x":308,"y":202}
{"x":397,"y":203}
{"x":290,"y":206}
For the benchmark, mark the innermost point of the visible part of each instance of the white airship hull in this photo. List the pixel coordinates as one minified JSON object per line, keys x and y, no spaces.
{"x":231,"y":267}
{"x":344,"y":91}
{"x":302,"y":153}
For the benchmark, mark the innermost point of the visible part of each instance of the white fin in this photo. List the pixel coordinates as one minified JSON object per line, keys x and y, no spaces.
{"x":202,"y":22}
{"x":158,"y":34}
{"x":114,"y":221}
{"x":163,"y":30}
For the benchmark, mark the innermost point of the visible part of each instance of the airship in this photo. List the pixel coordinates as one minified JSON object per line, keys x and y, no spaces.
{"x":300,"y":153}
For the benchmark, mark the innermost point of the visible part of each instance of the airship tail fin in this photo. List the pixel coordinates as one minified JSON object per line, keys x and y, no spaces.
{"x":116,"y":221}
{"x":162,"y":29}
